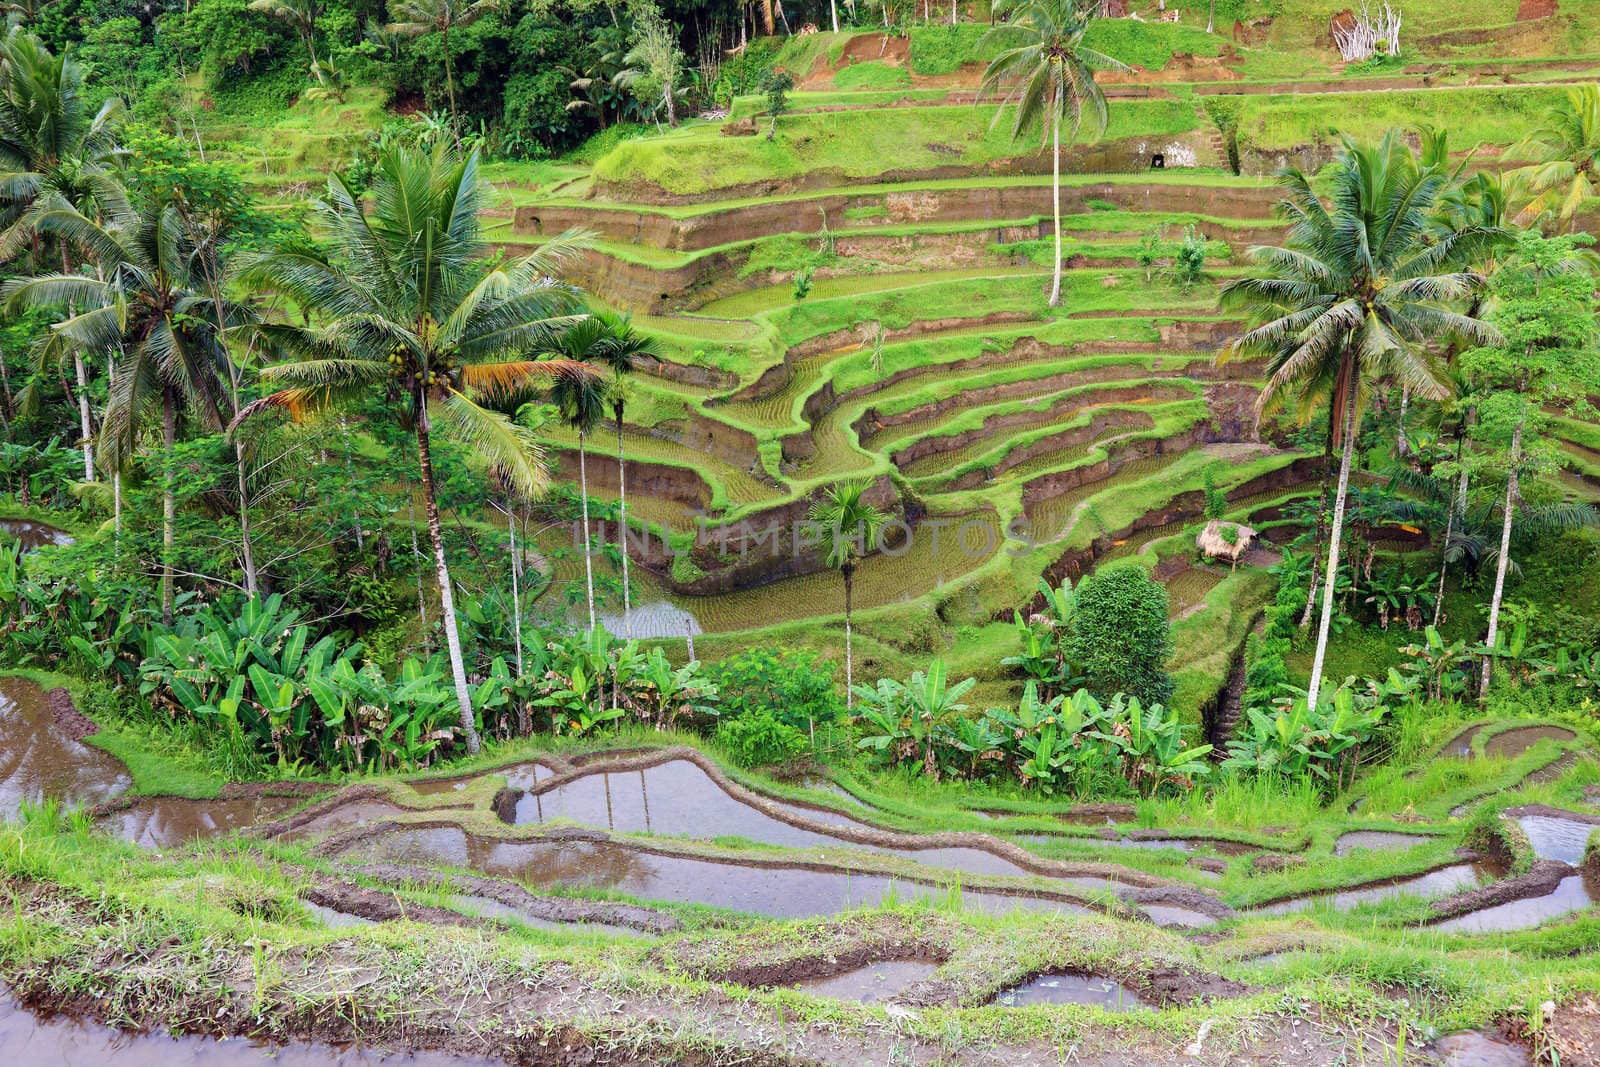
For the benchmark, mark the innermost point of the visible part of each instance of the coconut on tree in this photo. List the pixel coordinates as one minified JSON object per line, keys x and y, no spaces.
{"x":408,"y":308}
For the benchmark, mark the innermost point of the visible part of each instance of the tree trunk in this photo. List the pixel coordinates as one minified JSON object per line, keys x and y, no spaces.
{"x":311,"y":50}
{"x":169,"y":504}
{"x":1501,"y":563}
{"x":622,"y":504}
{"x":849,"y":572}
{"x":1055,"y":192}
{"x":1322,"y":511}
{"x":516,"y":587}
{"x":583,"y":488}
{"x":1457,"y":504}
{"x":85,"y":427}
{"x":833,"y":9}
{"x":768,"y":27}
{"x":1331,"y":578}
{"x":447,"y":600}
{"x":1402,"y":446}
{"x":450,"y":91}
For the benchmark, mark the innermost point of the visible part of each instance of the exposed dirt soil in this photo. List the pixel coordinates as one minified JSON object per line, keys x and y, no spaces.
{"x":1536,"y":9}
{"x":74,"y":723}
{"x":537,"y":1011}
{"x":379,"y":906}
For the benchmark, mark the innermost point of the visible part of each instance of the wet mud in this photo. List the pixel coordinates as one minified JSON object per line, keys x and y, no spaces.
{"x":871,"y":984}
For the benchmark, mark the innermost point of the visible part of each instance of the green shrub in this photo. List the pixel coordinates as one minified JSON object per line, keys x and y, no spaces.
{"x":943,"y":49}
{"x":760,"y":739}
{"x":1121,"y":638}
{"x":796,"y":686}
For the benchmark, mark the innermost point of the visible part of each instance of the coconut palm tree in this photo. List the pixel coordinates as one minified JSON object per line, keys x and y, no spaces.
{"x":1358,"y":292}
{"x":413,"y":18}
{"x":1563,"y":155}
{"x":852,"y":524}
{"x":149,"y":299}
{"x":54,"y":153}
{"x":407,"y":307}
{"x":1048,"y":74}
{"x":302,"y":15}
{"x":581,"y":402}
{"x":628,"y":348}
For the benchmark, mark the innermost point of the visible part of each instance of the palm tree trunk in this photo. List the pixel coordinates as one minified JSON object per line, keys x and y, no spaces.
{"x":447,"y":600}
{"x":583,"y":488}
{"x":450,"y":87}
{"x":1322,"y":511}
{"x":83,"y":416}
{"x":833,"y":9}
{"x":169,"y":504}
{"x":311,"y":50}
{"x":516,"y":587}
{"x":767,"y":26}
{"x":849,"y":572}
{"x":1331,"y":577}
{"x":1457,"y":503}
{"x":622,"y":503}
{"x":1501,"y":564}
{"x":84,"y":425}
{"x":1055,"y":191}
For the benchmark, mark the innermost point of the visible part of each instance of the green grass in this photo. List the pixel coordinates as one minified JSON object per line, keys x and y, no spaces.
{"x":874,"y":74}
{"x":856,"y":145}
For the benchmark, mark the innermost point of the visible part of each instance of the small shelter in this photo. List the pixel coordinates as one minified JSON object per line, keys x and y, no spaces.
{"x":1225,"y":540}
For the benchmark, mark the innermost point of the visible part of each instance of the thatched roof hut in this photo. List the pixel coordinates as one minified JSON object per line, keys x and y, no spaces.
{"x":1225,"y":540}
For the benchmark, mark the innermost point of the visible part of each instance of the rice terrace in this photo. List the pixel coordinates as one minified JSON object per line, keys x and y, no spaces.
{"x":833,"y":532}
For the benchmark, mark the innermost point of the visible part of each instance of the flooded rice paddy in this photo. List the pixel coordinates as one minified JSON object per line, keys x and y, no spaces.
{"x":1072,"y":989}
{"x":42,"y":756}
{"x":1442,"y":882}
{"x":1573,"y":893}
{"x":31,"y":1040}
{"x":871,"y":984}
{"x":778,"y":890}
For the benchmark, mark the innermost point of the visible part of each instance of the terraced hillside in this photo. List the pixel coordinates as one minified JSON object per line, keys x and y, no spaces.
{"x":921,"y":352}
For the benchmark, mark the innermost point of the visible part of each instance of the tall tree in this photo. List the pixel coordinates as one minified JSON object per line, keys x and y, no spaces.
{"x":1547,"y":357}
{"x":302,"y":15}
{"x":1563,"y":155}
{"x":54,"y":153}
{"x":1048,"y":73}
{"x":581,"y":402}
{"x":150,"y":300}
{"x":406,"y":306}
{"x":629,"y":348}
{"x":851,"y":525}
{"x":1359,"y":291}
{"x":414,"y":18}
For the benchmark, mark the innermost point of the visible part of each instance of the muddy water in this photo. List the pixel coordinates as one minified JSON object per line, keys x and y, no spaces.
{"x":1555,"y":838}
{"x":332,"y":917}
{"x":1570,"y":895}
{"x":40,"y":759}
{"x":679,"y":798}
{"x":1514,"y":743}
{"x":1072,"y":989}
{"x":1473,"y":1049}
{"x":1442,"y":882}
{"x":166,"y":822}
{"x":872,"y":983}
{"x":1377,"y":841}
{"x":31,"y":535}
{"x":776,"y":891}
{"x":30,"y":1041}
